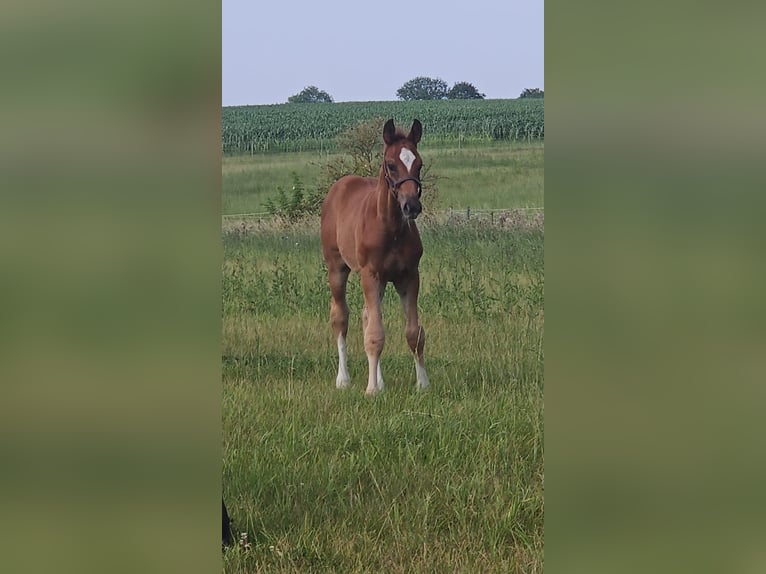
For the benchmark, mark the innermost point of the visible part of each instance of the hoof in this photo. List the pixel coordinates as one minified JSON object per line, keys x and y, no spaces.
{"x":342,"y":383}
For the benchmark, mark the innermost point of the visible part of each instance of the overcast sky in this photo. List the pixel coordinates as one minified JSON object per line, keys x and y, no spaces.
{"x":363,"y":51}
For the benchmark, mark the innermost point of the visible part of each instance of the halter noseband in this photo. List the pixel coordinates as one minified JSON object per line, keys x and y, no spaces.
{"x":394,"y":185}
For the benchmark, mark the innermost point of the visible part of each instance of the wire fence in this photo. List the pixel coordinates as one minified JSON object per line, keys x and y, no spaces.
{"x":525,"y":218}
{"x":490,"y":215}
{"x":465,"y":214}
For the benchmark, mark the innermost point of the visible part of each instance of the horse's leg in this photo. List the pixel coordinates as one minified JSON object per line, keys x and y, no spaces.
{"x":338,"y":275}
{"x":374,"y":336}
{"x":408,"y":289}
{"x":364,"y":327}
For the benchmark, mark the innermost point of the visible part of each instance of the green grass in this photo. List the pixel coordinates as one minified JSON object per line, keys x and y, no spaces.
{"x":494,"y":176}
{"x":489,"y":177}
{"x":447,"y":480}
{"x":249,"y":180}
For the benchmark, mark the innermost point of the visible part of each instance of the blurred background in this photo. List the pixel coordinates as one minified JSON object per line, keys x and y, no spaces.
{"x":654,"y":275}
{"x":110,"y":314}
{"x":110,"y":307}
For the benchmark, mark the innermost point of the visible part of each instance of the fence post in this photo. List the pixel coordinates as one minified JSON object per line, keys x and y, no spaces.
{"x":467,"y":213}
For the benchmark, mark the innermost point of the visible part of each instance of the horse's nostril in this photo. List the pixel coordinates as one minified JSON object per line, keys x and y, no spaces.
{"x":411,"y":211}
{"x":411,"y":208}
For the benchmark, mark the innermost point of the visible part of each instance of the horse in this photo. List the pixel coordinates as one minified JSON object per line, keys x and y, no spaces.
{"x":368,"y":226}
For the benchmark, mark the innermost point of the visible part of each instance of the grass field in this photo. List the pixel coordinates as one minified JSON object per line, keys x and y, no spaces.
{"x":447,"y":480}
{"x":480,"y":177}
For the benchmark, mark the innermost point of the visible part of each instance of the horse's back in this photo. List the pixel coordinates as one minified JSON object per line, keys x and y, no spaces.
{"x":347,"y":192}
{"x":345,"y":198}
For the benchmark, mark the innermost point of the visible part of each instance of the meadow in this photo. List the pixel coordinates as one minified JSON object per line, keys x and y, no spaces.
{"x":446,"y":480}
{"x":490,"y":176}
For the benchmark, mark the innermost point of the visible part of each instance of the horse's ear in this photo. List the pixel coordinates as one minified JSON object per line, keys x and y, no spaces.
{"x":389,"y":132}
{"x":415,"y":132}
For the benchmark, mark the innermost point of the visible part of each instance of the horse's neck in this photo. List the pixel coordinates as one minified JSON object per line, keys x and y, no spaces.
{"x":387,"y":206}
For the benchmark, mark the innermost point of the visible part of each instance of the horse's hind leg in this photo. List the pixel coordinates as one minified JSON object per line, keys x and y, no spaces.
{"x":408,"y":289}
{"x":338,"y":275}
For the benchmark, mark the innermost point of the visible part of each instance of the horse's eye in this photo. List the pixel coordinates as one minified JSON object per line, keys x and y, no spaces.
{"x":392,"y":166}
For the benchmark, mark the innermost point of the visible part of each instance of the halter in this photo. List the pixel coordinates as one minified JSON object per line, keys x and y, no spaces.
{"x":394,"y":185}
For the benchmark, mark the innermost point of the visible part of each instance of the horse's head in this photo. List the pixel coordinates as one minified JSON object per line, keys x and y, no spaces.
{"x":401,"y":166}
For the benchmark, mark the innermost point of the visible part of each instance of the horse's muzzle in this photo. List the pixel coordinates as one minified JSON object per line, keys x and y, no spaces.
{"x":411,"y":208}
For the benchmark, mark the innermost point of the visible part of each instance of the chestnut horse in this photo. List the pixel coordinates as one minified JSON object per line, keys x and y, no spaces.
{"x":368,"y":226}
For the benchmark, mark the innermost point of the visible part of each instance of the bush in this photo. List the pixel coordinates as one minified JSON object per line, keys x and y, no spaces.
{"x":296,"y":205}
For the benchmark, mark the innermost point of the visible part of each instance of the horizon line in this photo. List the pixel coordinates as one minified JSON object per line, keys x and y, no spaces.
{"x":373,"y":101}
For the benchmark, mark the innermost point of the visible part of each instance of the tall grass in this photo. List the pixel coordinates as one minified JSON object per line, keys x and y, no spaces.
{"x":450,"y":479}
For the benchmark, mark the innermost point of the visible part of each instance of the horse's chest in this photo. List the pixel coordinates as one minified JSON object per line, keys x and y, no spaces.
{"x":400,"y":258}
{"x":389,"y":255}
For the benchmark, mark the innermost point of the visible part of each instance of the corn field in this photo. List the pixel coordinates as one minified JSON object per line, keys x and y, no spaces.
{"x":305,"y":127}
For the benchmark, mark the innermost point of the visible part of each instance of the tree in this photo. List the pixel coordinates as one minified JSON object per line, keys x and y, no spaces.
{"x":464,"y":91}
{"x":423,"y":88}
{"x":532,"y":93}
{"x":311,"y":95}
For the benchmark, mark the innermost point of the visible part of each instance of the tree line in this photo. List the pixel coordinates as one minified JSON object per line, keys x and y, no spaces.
{"x":420,"y":88}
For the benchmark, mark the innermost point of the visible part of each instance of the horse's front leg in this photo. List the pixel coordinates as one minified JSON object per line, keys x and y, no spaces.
{"x":364,"y":330}
{"x":408,"y":289}
{"x":374,"y":335}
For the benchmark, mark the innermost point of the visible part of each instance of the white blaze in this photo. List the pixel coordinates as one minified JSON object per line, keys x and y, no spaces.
{"x":407,"y":158}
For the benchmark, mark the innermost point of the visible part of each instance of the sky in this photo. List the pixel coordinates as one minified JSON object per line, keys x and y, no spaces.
{"x":365,"y":51}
